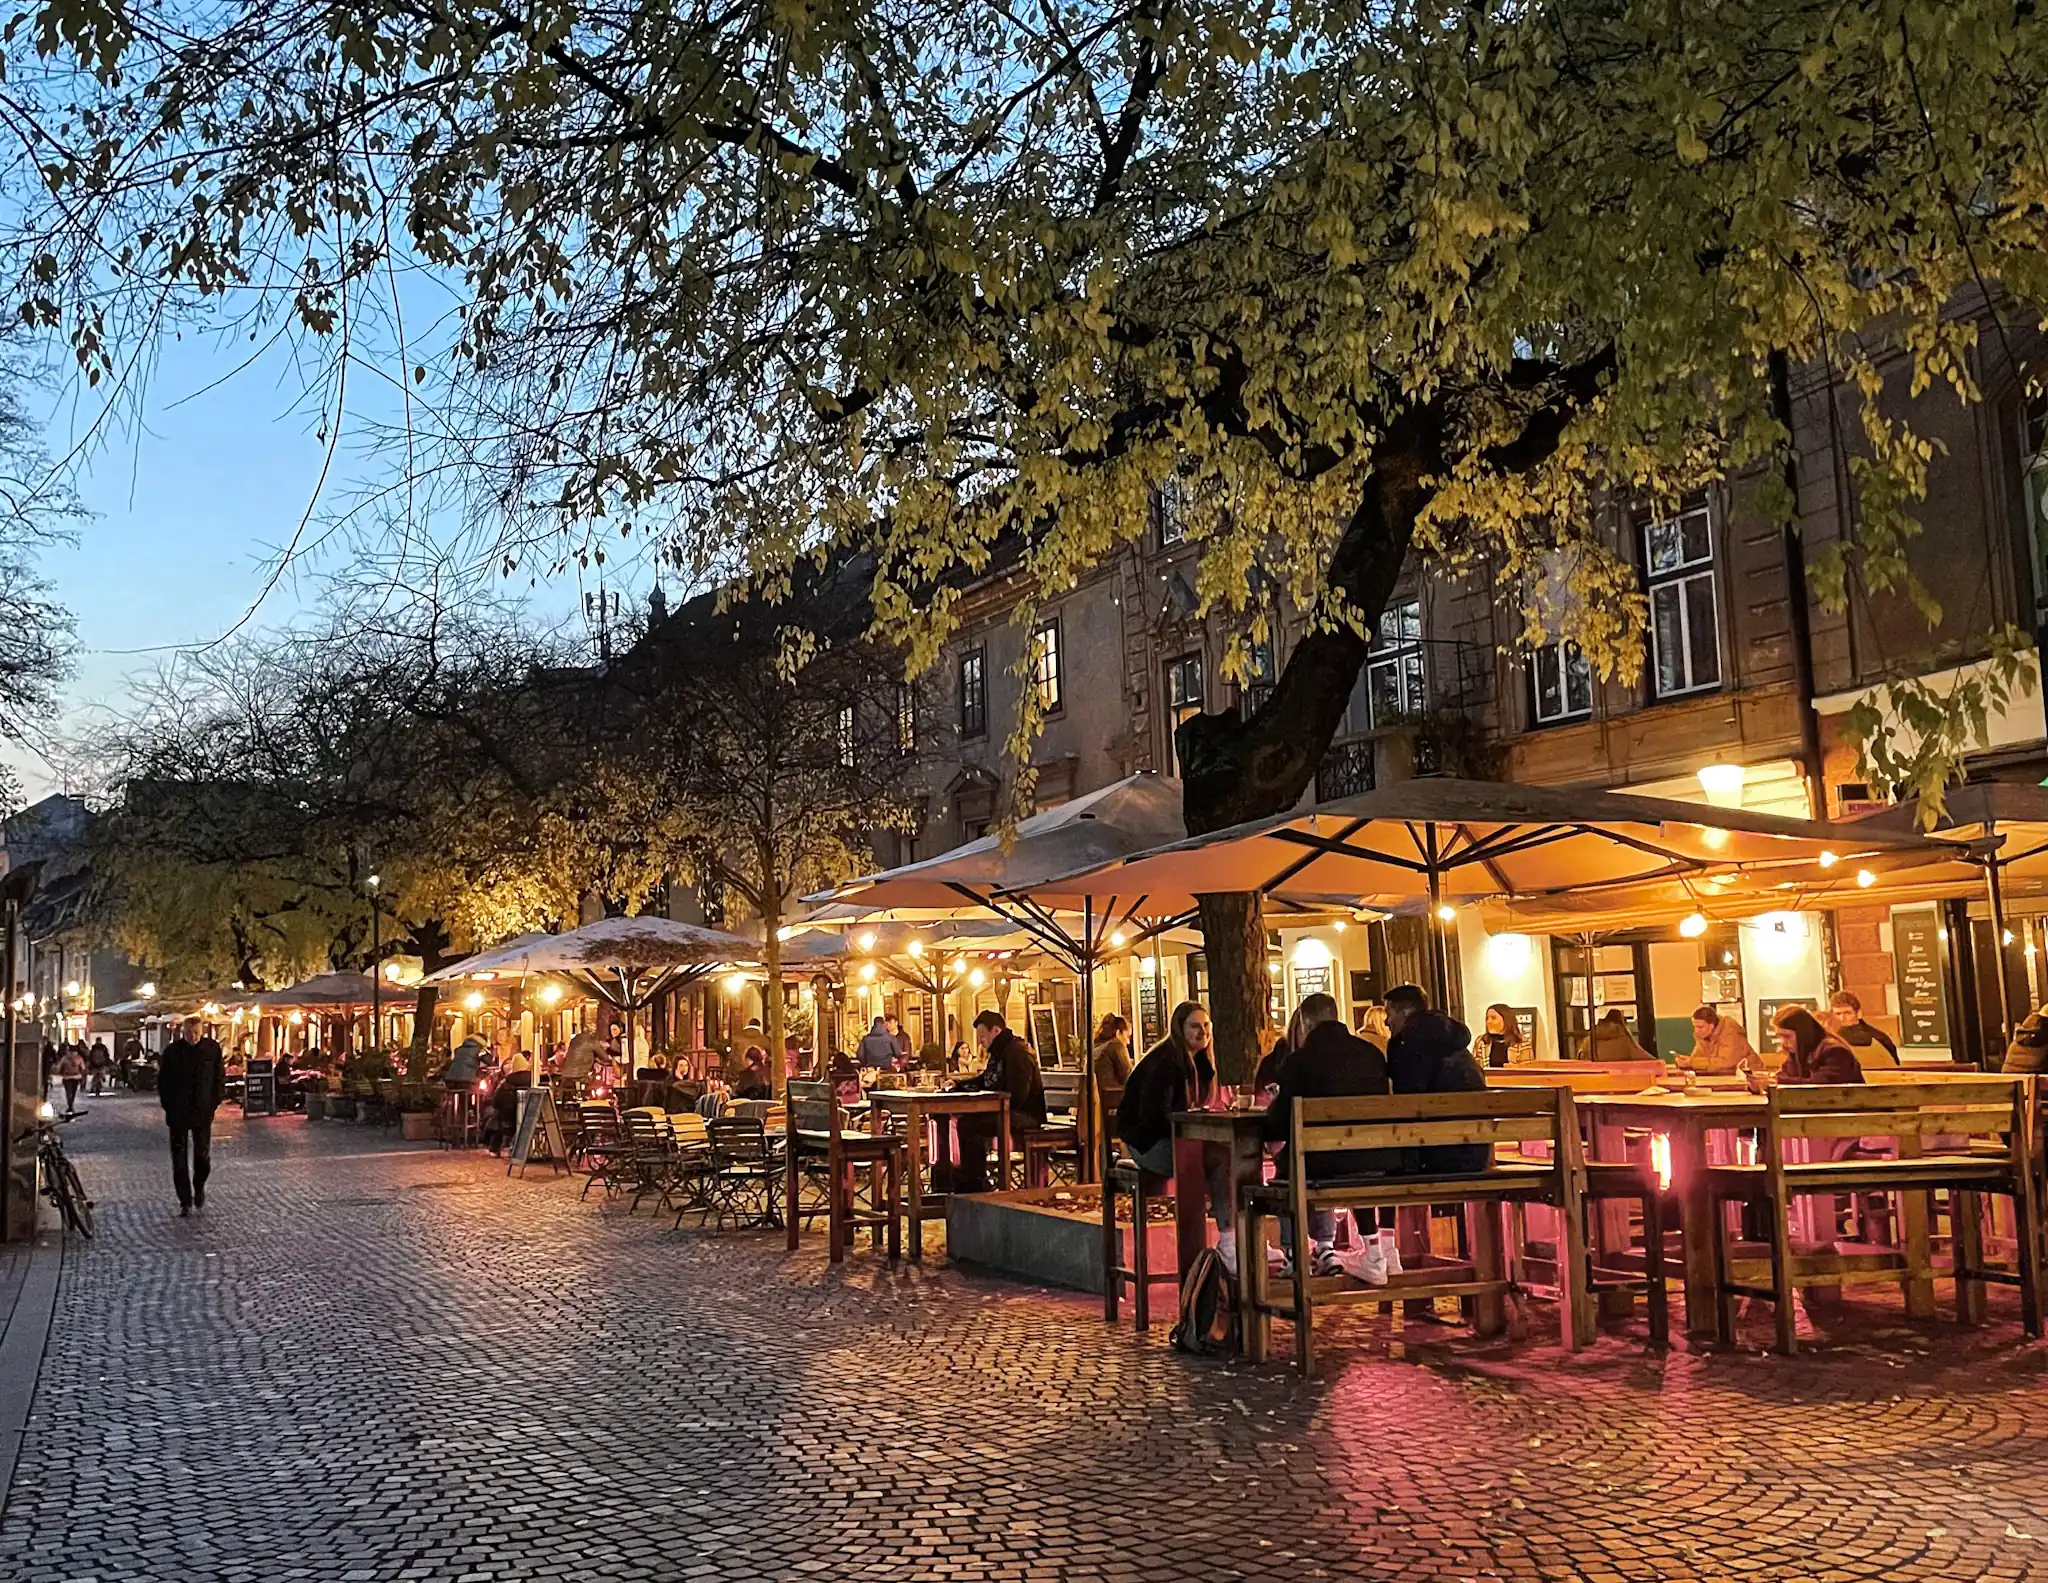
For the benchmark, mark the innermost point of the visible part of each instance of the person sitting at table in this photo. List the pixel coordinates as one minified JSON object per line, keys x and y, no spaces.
{"x":1329,"y":1062}
{"x":752,"y":1083}
{"x":1873,"y":1046}
{"x":1720,"y":1044}
{"x":500,"y":1117}
{"x":2028,"y":1052}
{"x":844,"y":1073}
{"x":877,"y":1048}
{"x":1502,"y":1044}
{"x":464,"y":1062}
{"x":1112,"y":1052}
{"x":1611,"y":1040}
{"x":1812,"y":1054}
{"x":1431,"y":1053}
{"x":1012,"y":1069}
{"x":1178,"y":1073}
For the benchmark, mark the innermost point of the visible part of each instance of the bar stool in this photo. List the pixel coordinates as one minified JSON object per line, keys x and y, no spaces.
{"x":456,"y":1126}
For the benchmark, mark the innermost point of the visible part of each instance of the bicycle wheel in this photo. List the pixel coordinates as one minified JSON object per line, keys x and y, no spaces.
{"x":71,"y":1199}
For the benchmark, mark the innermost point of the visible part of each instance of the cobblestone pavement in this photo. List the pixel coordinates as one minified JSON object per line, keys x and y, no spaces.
{"x":375,"y":1361}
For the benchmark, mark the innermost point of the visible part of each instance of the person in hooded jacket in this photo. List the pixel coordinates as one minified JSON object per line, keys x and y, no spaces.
{"x":1329,"y":1061}
{"x":877,"y":1048}
{"x":1431,"y":1053}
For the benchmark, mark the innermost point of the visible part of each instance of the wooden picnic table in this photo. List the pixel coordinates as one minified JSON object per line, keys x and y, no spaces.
{"x":914,"y":1107}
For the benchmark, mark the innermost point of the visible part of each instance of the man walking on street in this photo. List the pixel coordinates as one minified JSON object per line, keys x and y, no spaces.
{"x":189,"y":1084}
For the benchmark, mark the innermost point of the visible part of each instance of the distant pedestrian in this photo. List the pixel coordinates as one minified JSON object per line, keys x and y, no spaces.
{"x":99,"y":1062}
{"x":71,"y":1070}
{"x":189,"y":1084}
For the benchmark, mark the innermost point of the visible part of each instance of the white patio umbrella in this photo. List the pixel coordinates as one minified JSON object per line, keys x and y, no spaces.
{"x":624,"y":962}
{"x":1456,"y":841}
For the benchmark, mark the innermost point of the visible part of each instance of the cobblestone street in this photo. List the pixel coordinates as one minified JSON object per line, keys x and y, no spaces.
{"x":369,"y":1361}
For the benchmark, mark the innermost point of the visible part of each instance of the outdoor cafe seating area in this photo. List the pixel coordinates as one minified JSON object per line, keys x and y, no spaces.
{"x":1633,"y":1197}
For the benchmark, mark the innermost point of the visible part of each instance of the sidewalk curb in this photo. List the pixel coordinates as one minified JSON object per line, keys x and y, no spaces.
{"x":25,"y":1332}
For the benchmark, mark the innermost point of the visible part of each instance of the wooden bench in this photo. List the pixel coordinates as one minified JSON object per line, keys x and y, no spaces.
{"x":1403,"y":1122}
{"x":1990,"y":1117}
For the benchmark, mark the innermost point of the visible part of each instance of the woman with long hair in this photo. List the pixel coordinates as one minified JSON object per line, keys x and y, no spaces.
{"x":1177,"y":1073}
{"x":1812,"y":1054}
{"x":1112,"y":1052}
{"x":1502,"y":1036}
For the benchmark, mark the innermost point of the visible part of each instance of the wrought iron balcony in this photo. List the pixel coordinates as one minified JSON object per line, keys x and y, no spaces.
{"x":1346,"y":770}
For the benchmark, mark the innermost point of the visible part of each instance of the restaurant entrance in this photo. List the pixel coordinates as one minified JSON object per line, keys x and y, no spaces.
{"x":1656,"y":978}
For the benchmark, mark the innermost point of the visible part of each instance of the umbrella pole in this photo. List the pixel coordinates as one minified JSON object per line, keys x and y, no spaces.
{"x":1085,"y":1154}
{"x":1439,"y":965}
{"x":1997,"y":892}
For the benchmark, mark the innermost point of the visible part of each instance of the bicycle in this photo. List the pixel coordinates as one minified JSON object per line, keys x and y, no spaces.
{"x":59,"y":1176}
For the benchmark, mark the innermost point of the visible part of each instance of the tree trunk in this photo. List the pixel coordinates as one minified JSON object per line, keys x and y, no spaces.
{"x":771,"y":993}
{"x":432,"y":941}
{"x":1234,"y":768}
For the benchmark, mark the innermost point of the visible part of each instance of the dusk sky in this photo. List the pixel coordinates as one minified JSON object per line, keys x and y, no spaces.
{"x":190,"y":507}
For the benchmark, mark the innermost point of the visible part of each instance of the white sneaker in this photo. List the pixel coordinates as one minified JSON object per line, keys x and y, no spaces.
{"x":1325,"y":1261}
{"x":1226,"y":1253}
{"x":1365,"y":1263}
{"x":1389,"y":1251}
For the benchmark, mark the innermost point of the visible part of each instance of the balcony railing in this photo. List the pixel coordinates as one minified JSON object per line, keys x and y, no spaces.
{"x":1346,"y":770}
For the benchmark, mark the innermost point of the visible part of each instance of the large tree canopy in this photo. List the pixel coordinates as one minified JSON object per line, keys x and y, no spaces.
{"x":926,"y":276}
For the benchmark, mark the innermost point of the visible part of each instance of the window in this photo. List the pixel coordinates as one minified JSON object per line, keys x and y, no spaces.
{"x":1257,"y":686}
{"x":1183,"y":698}
{"x":846,"y":737}
{"x":1561,"y":681}
{"x":974,"y":692}
{"x":1173,"y":514}
{"x":1045,"y":666}
{"x":1678,"y":567}
{"x":906,"y":719}
{"x":1394,"y":683}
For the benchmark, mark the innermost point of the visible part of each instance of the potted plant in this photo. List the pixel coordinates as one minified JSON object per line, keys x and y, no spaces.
{"x":417,"y":1105}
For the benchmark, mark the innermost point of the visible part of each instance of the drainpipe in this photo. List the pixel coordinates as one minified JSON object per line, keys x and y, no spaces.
{"x":1780,"y":373}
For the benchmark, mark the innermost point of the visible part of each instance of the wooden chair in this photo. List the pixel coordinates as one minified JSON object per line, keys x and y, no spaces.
{"x":1631,"y":1179}
{"x":1993,"y":1112}
{"x":1122,"y":1176}
{"x":741,"y":1172}
{"x":819,"y":1145}
{"x":1405,"y":1122}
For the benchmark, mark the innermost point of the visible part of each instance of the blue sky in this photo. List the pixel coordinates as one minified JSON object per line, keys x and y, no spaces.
{"x":191,"y":501}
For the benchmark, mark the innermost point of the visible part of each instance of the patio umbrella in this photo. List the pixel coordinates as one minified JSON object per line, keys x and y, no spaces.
{"x":990,"y":876}
{"x":1464,"y":841}
{"x":624,"y":962}
{"x":323,"y":991}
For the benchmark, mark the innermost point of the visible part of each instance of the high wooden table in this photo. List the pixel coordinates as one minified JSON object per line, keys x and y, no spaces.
{"x":1686,"y":1119}
{"x":916,"y":1106}
{"x":1237,"y":1132}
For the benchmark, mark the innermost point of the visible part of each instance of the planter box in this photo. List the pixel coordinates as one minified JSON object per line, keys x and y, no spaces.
{"x":416,"y":1125}
{"x":1034,"y":1235}
{"x":316,"y":1107}
{"x":341,"y":1107}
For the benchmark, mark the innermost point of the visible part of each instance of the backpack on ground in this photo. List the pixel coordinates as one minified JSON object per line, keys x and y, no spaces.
{"x":1207,"y":1323}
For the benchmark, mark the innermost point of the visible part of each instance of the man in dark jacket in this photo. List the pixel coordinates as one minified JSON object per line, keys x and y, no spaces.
{"x":1012,"y":1069}
{"x":189,"y":1084}
{"x":1331,"y":1062}
{"x":1431,"y":1053}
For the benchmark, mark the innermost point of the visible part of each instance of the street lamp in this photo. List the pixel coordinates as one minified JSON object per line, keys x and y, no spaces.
{"x":376,"y":978}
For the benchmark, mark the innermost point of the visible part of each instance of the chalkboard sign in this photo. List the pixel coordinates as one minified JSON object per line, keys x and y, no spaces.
{"x":1151,"y":1024}
{"x":1923,"y":1008}
{"x":1045,"y":1035}
{"x":259,"y":1089}
{"x":539,"y":1133}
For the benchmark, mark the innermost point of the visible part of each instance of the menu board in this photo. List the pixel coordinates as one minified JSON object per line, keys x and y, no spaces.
{"x":1916,"y":952}
{"x":1151,"y":1025}
{"x":1311,"y":981}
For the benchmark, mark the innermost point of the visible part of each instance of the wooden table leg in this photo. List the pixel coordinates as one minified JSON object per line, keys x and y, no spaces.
{"x":1002,"y":1142}
{"x":1696,"y":1211}
{"x":1191,"y":1231}
{"x":1915,"y":1211}
{"x":1411,"y":1236}
{"x":1967,"y":1212}
{"x":1610,"y":1221}
{"x":913,"y":1148}
{"x":1489,"y":1309}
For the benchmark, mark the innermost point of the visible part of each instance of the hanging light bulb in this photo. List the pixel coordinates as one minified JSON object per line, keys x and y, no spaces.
{"x":1865,"y":879}
{"x":1828,"y":860}
{"x":1116,"y":937}
{"x":916,"y":948}
{"x":867,"y":940}
{"x":1693,"y":925}
{"x":1446,"y":913}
